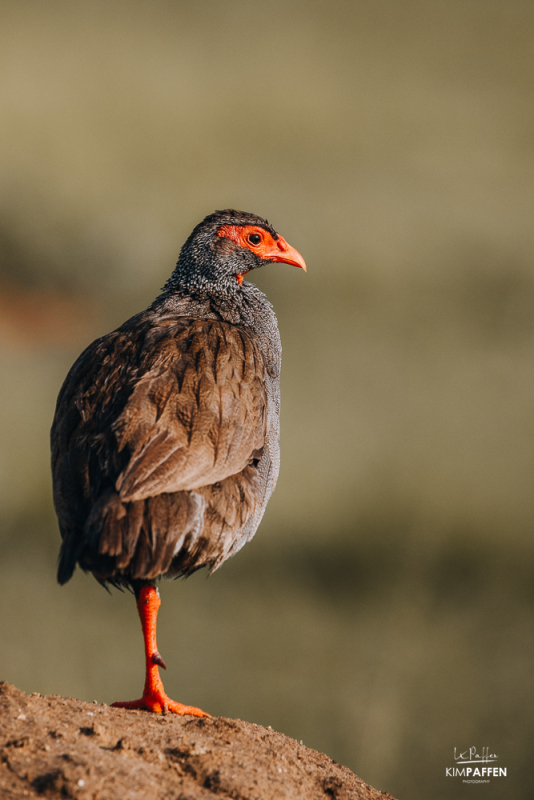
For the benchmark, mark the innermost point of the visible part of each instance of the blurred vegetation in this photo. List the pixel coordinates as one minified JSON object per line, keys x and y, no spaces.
{"x":384,"y":612}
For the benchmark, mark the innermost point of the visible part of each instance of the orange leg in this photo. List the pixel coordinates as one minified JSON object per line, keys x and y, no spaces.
{"x":154,"y":697}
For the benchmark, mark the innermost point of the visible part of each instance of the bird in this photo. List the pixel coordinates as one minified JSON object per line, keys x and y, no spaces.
{"x":165,"y":438}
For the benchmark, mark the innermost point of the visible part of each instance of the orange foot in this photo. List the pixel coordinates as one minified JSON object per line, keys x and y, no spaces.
{"x":160,"y":703}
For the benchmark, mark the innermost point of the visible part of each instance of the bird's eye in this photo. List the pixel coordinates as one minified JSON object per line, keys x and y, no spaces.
{"x":254,"y":238}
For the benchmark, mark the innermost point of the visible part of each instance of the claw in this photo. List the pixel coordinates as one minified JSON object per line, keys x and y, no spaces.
{"x":157,"y":659}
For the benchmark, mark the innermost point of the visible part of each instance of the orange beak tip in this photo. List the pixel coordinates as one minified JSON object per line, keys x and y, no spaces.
{"x":293,"y":257}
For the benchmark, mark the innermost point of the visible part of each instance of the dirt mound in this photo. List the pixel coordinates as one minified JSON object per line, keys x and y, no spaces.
{"x":59,"y":748}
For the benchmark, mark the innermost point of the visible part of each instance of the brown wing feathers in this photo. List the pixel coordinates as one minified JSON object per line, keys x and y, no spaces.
{"x":157,"y":442}
{"x":184,"y":423}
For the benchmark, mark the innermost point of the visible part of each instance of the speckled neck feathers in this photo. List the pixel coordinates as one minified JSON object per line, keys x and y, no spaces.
{"x":209,"y":263}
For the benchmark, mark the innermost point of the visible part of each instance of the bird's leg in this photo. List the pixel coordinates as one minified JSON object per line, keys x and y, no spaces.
{"x":154,"y":697}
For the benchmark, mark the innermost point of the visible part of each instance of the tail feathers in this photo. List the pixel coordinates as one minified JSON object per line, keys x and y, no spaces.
{"x":68,"y":556}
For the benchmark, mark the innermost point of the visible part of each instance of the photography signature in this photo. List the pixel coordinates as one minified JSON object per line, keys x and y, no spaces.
{"x":472,"y":757}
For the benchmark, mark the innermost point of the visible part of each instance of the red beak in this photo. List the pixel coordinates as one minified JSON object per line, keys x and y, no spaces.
{"x":280,"y":250}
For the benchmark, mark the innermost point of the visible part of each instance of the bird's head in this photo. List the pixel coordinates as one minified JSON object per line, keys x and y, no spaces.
{"x":224,"y":247}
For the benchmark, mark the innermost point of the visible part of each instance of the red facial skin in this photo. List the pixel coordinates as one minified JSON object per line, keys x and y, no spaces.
{"x":267,"y":248}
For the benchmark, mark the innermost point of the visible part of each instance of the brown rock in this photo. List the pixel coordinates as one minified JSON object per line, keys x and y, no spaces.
{"x":60,"y":748}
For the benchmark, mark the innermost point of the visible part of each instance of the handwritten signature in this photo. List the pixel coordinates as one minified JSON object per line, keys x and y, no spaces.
{"x":472,"y":757}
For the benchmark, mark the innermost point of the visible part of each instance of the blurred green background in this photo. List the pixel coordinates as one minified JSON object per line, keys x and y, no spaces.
{"x":384,"y":613}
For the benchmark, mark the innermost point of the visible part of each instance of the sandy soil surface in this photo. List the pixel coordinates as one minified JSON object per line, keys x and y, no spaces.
{"x":55,"y":747}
